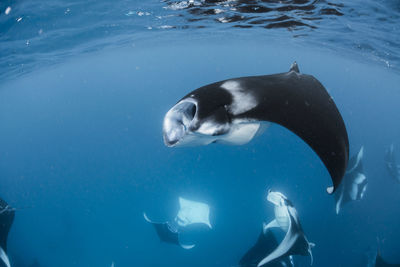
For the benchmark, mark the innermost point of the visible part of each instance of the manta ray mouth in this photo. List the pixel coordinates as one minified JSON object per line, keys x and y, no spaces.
{"x":177,"y":121}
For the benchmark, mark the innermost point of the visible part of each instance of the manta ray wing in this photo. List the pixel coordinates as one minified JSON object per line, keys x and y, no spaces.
{"x":4,"y":258}
{"x":167,"y":233}
{"x":265,"y":244}
{"x":231,"y":111}
{"x":7,"y":214}
{"x":391,"y":163}
{"x":192,"y":212}
{"x":282,"y":249}
{"x":354,"y":182}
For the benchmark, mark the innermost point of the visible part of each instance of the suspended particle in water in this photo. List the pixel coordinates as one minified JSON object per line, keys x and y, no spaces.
{"x":8,"y":10}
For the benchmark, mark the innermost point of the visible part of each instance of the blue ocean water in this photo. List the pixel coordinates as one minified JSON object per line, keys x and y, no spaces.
{"x":84,"y":87}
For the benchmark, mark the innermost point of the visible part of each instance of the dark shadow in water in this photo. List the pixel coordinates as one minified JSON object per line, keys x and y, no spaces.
{"x":270,"y":14}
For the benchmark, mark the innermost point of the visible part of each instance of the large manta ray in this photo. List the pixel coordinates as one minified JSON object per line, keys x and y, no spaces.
{"x":354,"y":182}
{"x":266,"y":243}
{"x":7,"y":214}
{"x":233,"y":112}
{"x":286,"y":218}
{"x":392,"y":166}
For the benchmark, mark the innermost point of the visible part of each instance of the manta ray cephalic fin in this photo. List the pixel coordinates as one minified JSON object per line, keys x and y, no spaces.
{"x":271,"y":224}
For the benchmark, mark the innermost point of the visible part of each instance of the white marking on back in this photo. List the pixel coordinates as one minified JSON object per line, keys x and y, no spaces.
{"x":242,"y":100}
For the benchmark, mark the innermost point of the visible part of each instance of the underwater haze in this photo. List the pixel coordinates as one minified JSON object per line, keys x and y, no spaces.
{"x":85,"y":86}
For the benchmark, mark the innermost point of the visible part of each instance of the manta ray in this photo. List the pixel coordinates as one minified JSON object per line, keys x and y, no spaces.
{"x":266,"y":243}
{"x":354,"y":182}
{"x":236,"y":110}
{"x":391,"y":164}
{"x":190,"y":212}
{"x":287,"y":219}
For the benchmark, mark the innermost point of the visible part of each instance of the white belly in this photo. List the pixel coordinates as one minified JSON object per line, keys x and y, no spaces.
{"x":281,"y":217}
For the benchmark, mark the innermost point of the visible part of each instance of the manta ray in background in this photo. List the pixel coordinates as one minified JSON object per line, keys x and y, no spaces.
{"x":286,"y":218}
{"x":354,"y":182}
{"x":7,"y":214}
{"x":392,"y":166}
{"x":265,"y":244}
{"x":190,"y":212}
{"x":234,"y":111}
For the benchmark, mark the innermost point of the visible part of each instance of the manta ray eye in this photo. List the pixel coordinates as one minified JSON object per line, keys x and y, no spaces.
{"x":192,"y":110}
{"x":189,"y":111}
